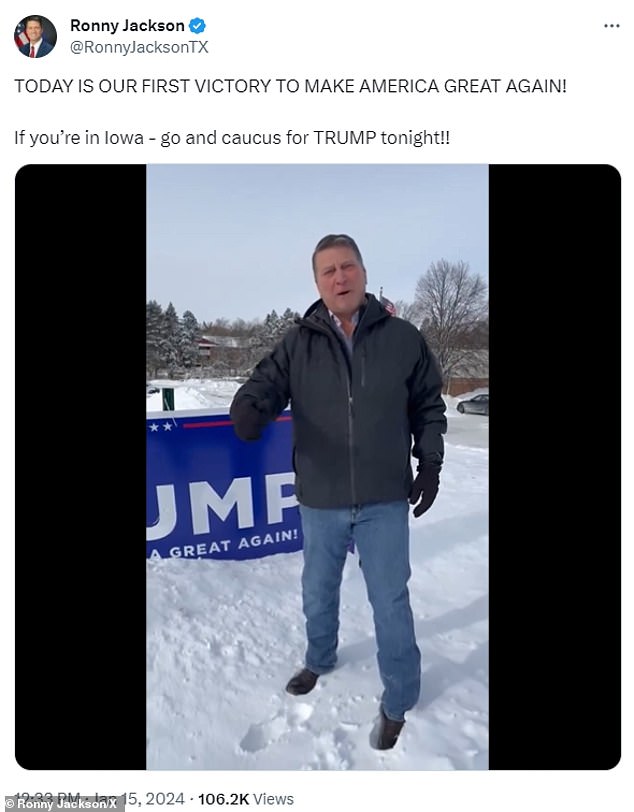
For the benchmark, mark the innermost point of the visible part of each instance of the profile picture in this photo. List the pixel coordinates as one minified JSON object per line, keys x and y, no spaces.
{"x":35,"y":36}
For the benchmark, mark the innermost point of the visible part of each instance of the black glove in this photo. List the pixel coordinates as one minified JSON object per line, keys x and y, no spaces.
{"x":426,"y":483}
{"x":248,"y":420}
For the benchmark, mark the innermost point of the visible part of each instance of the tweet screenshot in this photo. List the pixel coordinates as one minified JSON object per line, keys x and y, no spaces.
{"x":325,"y":233}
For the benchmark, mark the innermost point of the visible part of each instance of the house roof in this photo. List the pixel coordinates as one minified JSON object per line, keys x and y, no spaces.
{"x":225,"y":341}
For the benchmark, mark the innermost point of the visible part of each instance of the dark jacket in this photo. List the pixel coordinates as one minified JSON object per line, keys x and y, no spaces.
{"x":353,"y":420}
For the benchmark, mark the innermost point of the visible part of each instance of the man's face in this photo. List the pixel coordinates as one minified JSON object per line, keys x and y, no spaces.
{"x":33,"y":30}
{"x":340,"y":280}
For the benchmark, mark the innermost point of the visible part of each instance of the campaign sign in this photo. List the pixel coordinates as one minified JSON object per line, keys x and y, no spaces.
{"x":210,"y":495}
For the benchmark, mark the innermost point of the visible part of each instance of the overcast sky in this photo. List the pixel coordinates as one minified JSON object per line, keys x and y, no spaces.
{"x":235,"y":241}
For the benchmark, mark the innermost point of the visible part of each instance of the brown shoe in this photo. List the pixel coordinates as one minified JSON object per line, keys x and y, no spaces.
{"x":302,"y":683}
{"x":387,"y":733}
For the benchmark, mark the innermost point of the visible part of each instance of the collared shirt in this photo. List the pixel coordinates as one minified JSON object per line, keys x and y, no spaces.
{"x":339,"y":326}
{"x":35,"y":45}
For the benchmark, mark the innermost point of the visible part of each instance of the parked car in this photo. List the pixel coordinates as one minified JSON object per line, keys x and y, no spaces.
{"x":475,"y":405}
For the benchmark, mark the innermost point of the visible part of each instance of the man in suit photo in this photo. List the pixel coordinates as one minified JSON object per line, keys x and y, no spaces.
{"x":36,"y":46}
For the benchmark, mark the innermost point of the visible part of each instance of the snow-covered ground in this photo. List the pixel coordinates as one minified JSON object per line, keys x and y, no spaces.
{"x":223,"y":637}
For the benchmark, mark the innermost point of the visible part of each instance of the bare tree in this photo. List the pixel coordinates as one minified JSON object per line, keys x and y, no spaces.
{"x":408,"y":311}
{"x":452,"y":304}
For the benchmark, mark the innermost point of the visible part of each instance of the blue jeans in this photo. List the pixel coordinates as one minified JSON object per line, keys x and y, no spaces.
{"x":381,"y":534}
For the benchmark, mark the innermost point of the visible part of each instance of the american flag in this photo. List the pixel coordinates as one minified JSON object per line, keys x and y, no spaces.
{"x":20,"y":35}
{"x":387,"y":304}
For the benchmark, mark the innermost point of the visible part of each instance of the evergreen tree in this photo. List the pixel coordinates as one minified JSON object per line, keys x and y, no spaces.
{"x":267,"y":334}
{"x":153,"y":326}
{"x":170,"y":340}
{"x":287,"y":320}
{"x":189,"y":332}
{"x":271,"y":328}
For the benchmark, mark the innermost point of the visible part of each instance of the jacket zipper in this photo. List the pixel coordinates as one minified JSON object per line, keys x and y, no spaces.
{"x":348,"y":363}
{"x":353,"y":489}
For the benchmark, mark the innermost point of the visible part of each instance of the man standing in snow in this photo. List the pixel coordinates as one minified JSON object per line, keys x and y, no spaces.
{"x":365,"y":395}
